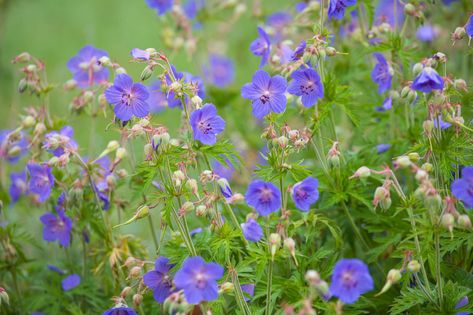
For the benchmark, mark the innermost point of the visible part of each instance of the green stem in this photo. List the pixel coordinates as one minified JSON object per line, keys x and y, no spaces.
{"x":153,"y":232}
{"x":439,"y":273}
{"x":269,"y":286}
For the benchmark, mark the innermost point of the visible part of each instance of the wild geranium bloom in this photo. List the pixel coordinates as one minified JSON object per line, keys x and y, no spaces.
{"x":336,"y":8}
{"x":206,"y":124}
{"x":41,"y":180}
{"x":157,"y":100}
{"x":462,"y":188}
{"x":463,"y":302}
{"x":266,"y":93}
{"x":70,"y":282}
{"x":224,"y":170}
{"x":252,"y":230}
{"x":159,"y":280}
{"x":385,"y":12}
{"x":428,"y":80}
{"x":381,"y":73}
{"x":120,"y":310}
{"x":129,"y":98}
{"x":440,"y":122}
{"x":198,"y":280}
{"x":306,"y":193}
{"x":383,"y":147}
{"x":261,"y":46}
{"x":140,"y":54}
{"x":469,"y":26}
{"x":57,"y":227}
{"x":220,"y":71}
{"x":350,"y":279}
{"x":426,"y":33}
{"x":85,"y":66}
{"x":264,"y":197}
{"x":249,"y":289}
{"x":306,"y":84}
{"x":58,"y":142}
{"x":12,"y":145}
{"x":299,"y":51}
{"x":161,"y":6}
{"x":18,"y":186}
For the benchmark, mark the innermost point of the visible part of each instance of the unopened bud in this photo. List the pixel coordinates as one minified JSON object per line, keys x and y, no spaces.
{"x":191,"y":184}
{"x":105,"y":61}
{"x":148,"y":149}
{"x":394,"y":275}
{"x":201,"y":210}
{"x":414,"y":156}
{"x":362,"y":172}
{"x":135,"y":272}
{"x":137,"y":299}
{"x":428,"y":126}
{"x":460,"y":85}
{"x":70,"y":84}
{"x":224,"y":187}
{"x":410,"y":9}
{"x":196,"y":101}
{"x":88,"y":96}
{"x":312,"y":277}
{"x":125,"y":292}
{"x":274,"y":243}
{"x":290,"y":245}
{"x":31,"y":68}
{"x":178,"y":177}
{"x":421,"y":175}
{"x":22,"y":85}
{"x":282,"y":141}
{"x":464,"y":221}
{"x":459,"y":33}
{"x":120,"y":70}
{"x":405,"y":91}
{"x":121,"y":153}
{"x":403,"y":161}
{"x":23,"y":57}
{"x":28,"y":121}
{"x":146,"y":73}
{"x":227,"y":287}
{"x":331,"y":51}
{"x":418,"y":67}
{"x":413,"y":266}
{"x":113,"y":145}
{"x":447,"y":221}
{"x":187,"y":206}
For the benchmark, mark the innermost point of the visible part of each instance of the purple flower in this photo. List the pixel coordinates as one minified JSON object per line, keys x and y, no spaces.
{"x":385,"y":12}
{"x":266,"y":93}
{"x":462,"y":188}
{"x":263,"y":196}
{"x":336,"y":8}
{"x":225,"y":188}
{"x":195,"y":231}
{"x":426,"y":33}
{"x":224,"y":170}
{"x":427,"y":81}
{"x":252,"y":230}
{"x":140,"y":54}
{"x":261,"y":47}
{"x":197,"y":83}
{"x":60,"y":142}
{"x":206,"y":124}
{"x":161,"y":6}
{"x":158,"y":280}
{"x":120,"y":310}
{"x":57,"y":227}
{"x":192,"y":8}
{"x":70,"y":282}
{"x":443,"y":124}
{"x":387,"y":105}
{"x":13,"y":145}
{"x":17,"y":186}
{"x":305,"y":193}
{"x":198,"y":280}
{"x":249,"y":289}
{"x":173,"y":100}
{"x":220,"y":71}
{"x":463,"y":302}
{"x":129,"y":98}
{"x":350,"y":279}
{"x":279,"y":21}
{"x":299,"y":51}
{"x":56,"y":269}
{"x":306,"y":83}
{"x":41,"y":180}
{"x":157,"y":100}
{"x":381,"y":73}
{"x":85,"y":66}
{"x":383,"y":147}
{"x":300,"y":6}
{"x":469,"y":26}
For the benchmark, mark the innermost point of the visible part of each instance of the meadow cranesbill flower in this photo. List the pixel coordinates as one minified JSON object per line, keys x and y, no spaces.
{"x":426,"y":33}
{"x":13,"y":145}
{"x":86,"y":68}
{"x":129,"y":98}
{"x":336,"y":8}
{"x":220,"y":71}
{"x":387,"y":105}
{"x":383,"y":147}
{"x":157,"y":100}
{"x":385,"y":12}
{"x":299,"y":51}
{"x":463,"y":302}
{"x":469,"y":26}
{"x":261,"y":46}
{"x":462,"y":188}
{"x":198,"y":280}
{"x":120,"y":310}
{"x":305,"y":193}
{"x":428,"y":80}
{"x":18,"y":186}
{"x":306,"y":84}
{"x":249,"y":289}
{"x":263,"y":196}
{"x":224,"y":170}
{"x":278,"y":21}
{"x":60,"y":142}
{"x":70,"y":282}
{"x":41,"y":180}
{"x":266,"y":93}
{"x":140,"y":54}
{"x":206,"y":124}
{"x":350,"y":279}
{"x":159,"y":280}
{"x":440,"y":122}
{"x":161,"y":6}
{"x":57,"y":227}
{"x":252,"y":230}
{"x":381,"y":73}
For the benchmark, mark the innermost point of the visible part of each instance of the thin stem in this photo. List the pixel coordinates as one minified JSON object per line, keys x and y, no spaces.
{"x":439,"y":273}
{"x":153,"y":232}
{"x":269,"y":286}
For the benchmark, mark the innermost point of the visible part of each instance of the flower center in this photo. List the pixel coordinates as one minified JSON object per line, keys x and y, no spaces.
{"x":264,"y":98}
{"x":348,"y":279}
{"x":127,"y":98}
{"x":301,"y":194}
{"x":204,"y":126}
{"x":200,"y":280}
{"x":265,"y":195}
{"x":308,"y":88}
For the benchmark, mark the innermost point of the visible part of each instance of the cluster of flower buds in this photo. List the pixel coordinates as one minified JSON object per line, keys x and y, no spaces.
{"x":289,"y":138}
{"x":451,"y":218}
{"x":382,"y":195}
{"x":176,"y":303}
{"x":33,"y":80}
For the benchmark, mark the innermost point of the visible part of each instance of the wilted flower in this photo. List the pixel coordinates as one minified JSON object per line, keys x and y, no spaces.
{"x":41,"y":180}
{"x":462,"y":188}
{"x":206,"y":124}
{"x":86,"y":68}
{"x":307,"y":84}
{"x":263,"y":196}
{"x":159,"y":280}
{"x":305,"y":193}
{"x":261,"y":46}
{"x":381,"y":73}
{"x":198,"y":280}
{"x":70,"y":282}
{"x":252,"y":230}
{"x":129,"y":98}
{"x":266,"y":93}
{"x":428,"y":80}
{"x":350,"y":279}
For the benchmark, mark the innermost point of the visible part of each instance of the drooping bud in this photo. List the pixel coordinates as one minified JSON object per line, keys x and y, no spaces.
{"x":196,"y":101}
{"x":427,"y":167}
{"x":4,"y":298}
{"x":418,"y":67}
{"x":421,"y":175}
{"x":403,"y":161}
{"x":459,"y":33}
{"x":227,"y":287}
{"x":137,"y":299}
{"x":290,"y":245}
{"x":312,"y":277}
{"x":178,"y":177}
{"x":410,"y":9}
{"x":125,"y":292}
{"x":187,"y":207}
{"x":148,"y":150}
{"x":460,"y":85}
{"x":464,"y":221}
{"x":413,"y":266}
{"x":282,"y":141}
{"x":121,"y":153}
{"x":191,"y":184}
{"x":141,"y":213}
{"x":331,"y":52}
{"x":447,"y":221}
{"x":135,"y":272}
{"x":200,"y":210}
{"x":28,"y":121}
{"x":394,"y":275}
{"x":274,"y":243}
{"x":146,"y":73}
{"x":413,"y":156}
{"x":362,"y":172}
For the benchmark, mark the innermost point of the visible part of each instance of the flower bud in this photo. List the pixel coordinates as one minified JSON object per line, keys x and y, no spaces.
{"x":148,"y":150}
{"x":394,"y":95}
{"x":40,"y":128}
{"x":459,"y":33}
{"x":23,"y":57}
{"x":447,"y":221}
{"x":4,"y":298}
{"x":146,"y":73}
{"x":427,"y":167}
{"x":282,"y":141}
{"x":290,"y":245}
{"x":331,"y":52}
{"x":394,"y":275}
{"x":362,"y":172}
{"x":464,"y":221}
{"x":121,"y":153}
{"x":411,"y":96}
{"x":428,"y":126}
{"x":334,"y":160}
{"x":113,"y":145}
{"x":22,"y":85}
{"x":410,"y":9}
{"x":312,"y":277}
{"x":418,"y":67}
{"x":70,"y":85}
{"x":433,"y":201}
{"x":135,"y":272}
{"x":125,"y":292}
{"x":421,"y":175}
{"x":137,"y":299}
{"x":31,"y":68}
{"x":227,"y":287}
{"x":405,"y":91}
{"x":384,"y":28}
{"x":187,"y":207}
{"x":225,"y":187}
{"x":196,"y":101}
{"x":54,"y":161}
{"x":413,"y":266}
{"x":403,"y":161}
{"x":385,"y":204}
{"x":274,"y":243}
{"x":200,"y":210}
{"x":120,"y":70}
{"x":178,"y":177}
{"x":191,"y":184}
{"x":105,"y":61}
{"x":414,"y":156}
{"x":130,"y":261}
{"x":28,"y":121}
{"x":460,"y":85}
